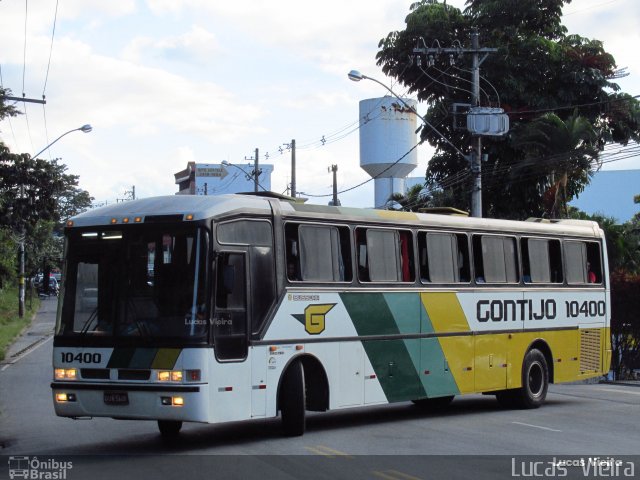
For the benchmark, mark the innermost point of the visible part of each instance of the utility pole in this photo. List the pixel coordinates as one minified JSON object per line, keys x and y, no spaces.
{"x":21,"y":287}
{"x":131,"y":193}
{"x":293,"y":168}
{"x":335,"y":202}
{"x":475,"y":158}
{"x":256,"y":171}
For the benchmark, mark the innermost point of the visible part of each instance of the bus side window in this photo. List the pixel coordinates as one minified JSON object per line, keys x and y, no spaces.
{"x":582,"y":262}
{"x":362,"y":254}
{"x":496,"y":260}
{"x":444,"y":257}
{"x":594,"y":262}
{"x":383,"y":248}
{"x":292,"y":254}
{"x":542,"y":260}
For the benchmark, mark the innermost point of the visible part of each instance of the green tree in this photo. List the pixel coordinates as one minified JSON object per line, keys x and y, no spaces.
{"x":571,"y":147}
{"x":539,"y":69}
{"x":412,"y":201}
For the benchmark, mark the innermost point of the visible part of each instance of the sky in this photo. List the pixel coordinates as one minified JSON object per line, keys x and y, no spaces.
{"x":165,"y":82}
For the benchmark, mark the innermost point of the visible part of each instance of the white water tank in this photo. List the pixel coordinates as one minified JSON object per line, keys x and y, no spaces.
{"x":387,"y":132}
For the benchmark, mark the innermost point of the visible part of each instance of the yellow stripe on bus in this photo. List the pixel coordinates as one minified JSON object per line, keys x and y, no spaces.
{"x":166,"y":358}
{"x":446,"y":316}
{"x":445,"y":312}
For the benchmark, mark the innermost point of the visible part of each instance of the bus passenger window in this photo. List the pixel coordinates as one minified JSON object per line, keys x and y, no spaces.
{"x":541,"y":260}
{"x":582,"y":262}
{"x":444,"y":257}
{"x":594,"y":262}
{"x":495,"y":259}
{"x":318,"y":253}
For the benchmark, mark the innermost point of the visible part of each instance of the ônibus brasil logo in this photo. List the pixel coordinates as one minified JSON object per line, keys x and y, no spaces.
{"x":37,"y":469}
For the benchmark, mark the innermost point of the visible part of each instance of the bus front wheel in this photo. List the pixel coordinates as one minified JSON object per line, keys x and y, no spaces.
{"x":293,"y":400}
{"x":169,"y":428}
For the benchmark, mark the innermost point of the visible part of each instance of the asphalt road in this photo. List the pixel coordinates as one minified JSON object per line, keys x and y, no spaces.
{"x":397,"y":442}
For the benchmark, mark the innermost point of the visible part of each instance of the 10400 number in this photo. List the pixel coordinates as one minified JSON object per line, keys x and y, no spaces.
{"x":87,"y":357}
{"x":586,"y":309}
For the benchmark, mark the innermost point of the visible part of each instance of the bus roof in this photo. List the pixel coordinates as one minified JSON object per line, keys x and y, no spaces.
{"x":203,"y":207}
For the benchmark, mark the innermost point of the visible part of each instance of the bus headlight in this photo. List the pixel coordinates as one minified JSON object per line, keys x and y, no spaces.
{"x":65,"y":397}
{"x":170,"y":376}
{"x":65,"y":373}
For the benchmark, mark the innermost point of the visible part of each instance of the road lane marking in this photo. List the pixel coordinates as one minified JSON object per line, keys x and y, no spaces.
{"x":327,"y":452}
{"x":537,"y":426}
{"x":618,"y":391}
{"x":29,"y":350}
{"x":393,"y":475}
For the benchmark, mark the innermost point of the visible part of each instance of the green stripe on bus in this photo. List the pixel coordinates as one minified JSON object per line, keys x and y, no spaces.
{"x":393,"y":361}
{"x":143,"y":357}
{"x":121,"y":357}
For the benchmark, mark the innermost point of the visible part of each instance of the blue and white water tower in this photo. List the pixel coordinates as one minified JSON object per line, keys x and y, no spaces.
{"x":387,"y":132}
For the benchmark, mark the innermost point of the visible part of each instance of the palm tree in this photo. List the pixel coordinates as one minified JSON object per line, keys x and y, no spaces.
{"x":415,"y":199}
{"x":567,"y":150}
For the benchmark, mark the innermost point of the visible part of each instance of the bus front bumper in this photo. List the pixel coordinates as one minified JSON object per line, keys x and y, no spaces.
{"x":132,"y":401}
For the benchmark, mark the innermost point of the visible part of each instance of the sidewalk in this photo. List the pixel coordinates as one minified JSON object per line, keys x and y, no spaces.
{"x":40,"y":329}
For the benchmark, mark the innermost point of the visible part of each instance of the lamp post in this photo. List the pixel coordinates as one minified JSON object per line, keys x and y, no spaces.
{"x":85,"y":128}
{"x":21,"y":281}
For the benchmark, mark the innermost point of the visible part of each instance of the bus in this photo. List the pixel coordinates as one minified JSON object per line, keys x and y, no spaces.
{"x":224,"y":308}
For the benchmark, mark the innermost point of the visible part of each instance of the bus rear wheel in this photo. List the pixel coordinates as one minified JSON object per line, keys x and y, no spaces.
{"x":169,"y":428}
{"x":293,"y":400}
{"x":535,"y":380}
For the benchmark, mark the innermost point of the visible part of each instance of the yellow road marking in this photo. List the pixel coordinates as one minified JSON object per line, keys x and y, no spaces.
{"x":327,"y":452}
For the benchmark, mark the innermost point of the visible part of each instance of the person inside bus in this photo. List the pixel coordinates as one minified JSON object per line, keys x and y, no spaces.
{"x":591,"y":277}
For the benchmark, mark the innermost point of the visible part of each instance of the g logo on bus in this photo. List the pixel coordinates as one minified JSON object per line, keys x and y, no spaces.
{"x":314,"y":318}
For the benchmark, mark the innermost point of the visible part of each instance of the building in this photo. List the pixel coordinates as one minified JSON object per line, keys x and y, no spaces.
{"x":219,"y":178}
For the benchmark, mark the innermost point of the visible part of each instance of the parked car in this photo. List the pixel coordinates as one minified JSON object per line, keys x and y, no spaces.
{"x":89,"y":299}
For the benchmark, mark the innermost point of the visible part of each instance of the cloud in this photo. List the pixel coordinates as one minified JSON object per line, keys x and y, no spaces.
{"x":197,"y":45}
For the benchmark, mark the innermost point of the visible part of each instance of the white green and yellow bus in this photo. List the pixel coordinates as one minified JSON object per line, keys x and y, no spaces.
{"x":223,"y":308}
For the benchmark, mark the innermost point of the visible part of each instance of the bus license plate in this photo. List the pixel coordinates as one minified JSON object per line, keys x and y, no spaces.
{"x":116,"y":398}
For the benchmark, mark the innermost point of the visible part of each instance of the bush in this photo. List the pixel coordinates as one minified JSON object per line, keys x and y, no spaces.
{"x":625,"y":324}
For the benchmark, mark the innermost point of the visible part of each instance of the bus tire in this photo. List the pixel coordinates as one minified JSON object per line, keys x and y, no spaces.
{"x":169,"y":428}
{"x":293,"y":400}
{"x":433,"y":403}
{"x":535,"y":380}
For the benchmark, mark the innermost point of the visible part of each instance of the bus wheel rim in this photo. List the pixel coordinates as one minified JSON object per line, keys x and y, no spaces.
{"x":536,"y":379}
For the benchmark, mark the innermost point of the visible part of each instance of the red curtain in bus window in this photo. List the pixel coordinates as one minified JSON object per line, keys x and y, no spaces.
{"x":405,"y":238}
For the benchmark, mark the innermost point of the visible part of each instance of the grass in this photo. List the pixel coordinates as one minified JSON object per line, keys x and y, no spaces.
{"x":10,"y":324}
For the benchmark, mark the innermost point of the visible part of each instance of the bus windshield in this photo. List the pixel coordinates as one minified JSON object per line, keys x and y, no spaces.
{"x":139,"y":281}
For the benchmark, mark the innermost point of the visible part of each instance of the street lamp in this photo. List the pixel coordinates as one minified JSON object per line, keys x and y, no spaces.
{"x":21,"y":281}
{"x":85,"y":128}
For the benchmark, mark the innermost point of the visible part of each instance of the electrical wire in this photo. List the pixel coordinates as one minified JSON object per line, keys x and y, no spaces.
{"x":369,"y":179}
{"x":53,"y":33}
{"x":481,"y":78}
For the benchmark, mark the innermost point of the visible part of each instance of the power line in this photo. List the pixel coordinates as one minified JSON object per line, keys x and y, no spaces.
{"x":53,"y":33}
{"x":369,"y":179}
